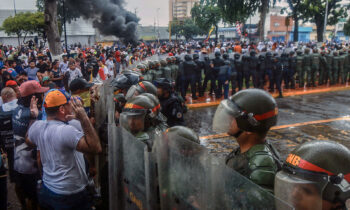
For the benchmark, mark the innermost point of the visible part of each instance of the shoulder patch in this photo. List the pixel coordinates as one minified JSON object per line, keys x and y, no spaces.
{"x":179,"y":115}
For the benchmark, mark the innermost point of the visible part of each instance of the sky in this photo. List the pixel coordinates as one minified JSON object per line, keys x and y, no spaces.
{"x":146,"y":9}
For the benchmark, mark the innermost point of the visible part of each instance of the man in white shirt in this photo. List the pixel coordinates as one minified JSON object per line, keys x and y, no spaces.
{"x":60,"y":148}
{"x":110,"y":66}
{"x":73,"y":72}
{"x":64,"y":64}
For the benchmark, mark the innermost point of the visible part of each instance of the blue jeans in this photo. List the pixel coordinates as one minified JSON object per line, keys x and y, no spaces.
{"x":51,"y":200}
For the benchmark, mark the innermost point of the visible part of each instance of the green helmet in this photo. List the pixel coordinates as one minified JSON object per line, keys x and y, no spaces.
{"x":142,"y":67}
{"x":141,"y":87}
{"x":139,"y":113}
{"x":119,"y":101}
{"x":254,"y":110}
{"x":318,"y":169}
{"x":163,"y":63}
{"x":156,"y":63}
{"x":151,"y":64}
{"x":183,"y":132}
{"x":307,"y":51}
{"x":169,"y":60}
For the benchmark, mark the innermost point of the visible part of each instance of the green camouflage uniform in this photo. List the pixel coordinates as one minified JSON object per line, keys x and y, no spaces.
{"x":299,"y":68}
{"x":329,"y":74}
{"x":336,"y":61}
{"x":315,"y":60}
{"x":259,"y":164}
{"x":306,"y":67}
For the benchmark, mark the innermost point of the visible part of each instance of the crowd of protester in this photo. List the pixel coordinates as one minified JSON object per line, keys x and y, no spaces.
{"x":43,"y":127}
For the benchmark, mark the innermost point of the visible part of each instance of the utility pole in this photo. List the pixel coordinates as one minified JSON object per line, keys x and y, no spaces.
{"x":14,"y":6}
{"x":325,"y":22}
{"x":158,"y":23}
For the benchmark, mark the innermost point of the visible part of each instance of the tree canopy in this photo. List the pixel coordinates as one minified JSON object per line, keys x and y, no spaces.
{"x":70,"y":14}
{"x":186,"y":28}
{"x":23,"y":24}
{"x":314,"y":11}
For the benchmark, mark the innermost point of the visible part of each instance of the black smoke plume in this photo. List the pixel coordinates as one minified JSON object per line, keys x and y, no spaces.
{"x":109,"y":17}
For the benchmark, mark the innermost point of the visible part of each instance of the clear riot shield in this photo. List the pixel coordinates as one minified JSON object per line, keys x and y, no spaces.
{"x":132,"y":175}
{"x":191,"y":178}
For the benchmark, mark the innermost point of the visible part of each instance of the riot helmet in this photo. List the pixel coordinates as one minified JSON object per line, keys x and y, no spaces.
{"x":139,"y":113}
{"x":225,"y":56}
{"x":119,"y":101}
{"x":253,"y":110}
{"x":195,"y":56}
{"x":163,"y":63}
{"x":299,"y":52}
{"x":217,"y":54}
{"x":252,"y":53}
{"x":315,"y":173}
{"x":188,"y":58}
{"x":237,"y":56}
{"x":184,"y":132}
{"x":169,"y":60}
{"x":122,"y":82}
{"x":269,"y":54}
{"x":139,"y":88}
{"x":261,"y":58}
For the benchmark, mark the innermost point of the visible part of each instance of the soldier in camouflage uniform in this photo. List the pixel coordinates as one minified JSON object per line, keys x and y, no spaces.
{"x":336,"y":61}
{"x":140,"y":118}
{"x":315,"y":61}
{"x":299,"y":68}
{"x":342,"y":57}
{"x":165,"y":69}
{"x":323,"y":68}
{"x":158,"y":70}
{"x":151,"y":73}
{"x":306,"y":67}
{"x":328,"y":73}
{"x":248,"y":116}
{"x":347,"y":66}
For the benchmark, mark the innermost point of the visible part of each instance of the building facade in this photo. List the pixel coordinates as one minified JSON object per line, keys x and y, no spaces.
{"x":79,"y":31}
{"x":180,"y":9}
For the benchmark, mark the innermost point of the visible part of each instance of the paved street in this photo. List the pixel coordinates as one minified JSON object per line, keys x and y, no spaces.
{"x":301,"y":118}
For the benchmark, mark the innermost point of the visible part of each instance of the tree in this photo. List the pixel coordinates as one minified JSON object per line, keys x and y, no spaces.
{"x":51,"y":27}
{"x":347,"y":28}
{"x":314,"y":11}
{"x":296,"y":9}
{"x":186,"y":28}
{"x":207,"y":14}
{"x":237,"y":10}
{"x":63,"y":11}
{"x":23,"y":24}
{"x":240,"y":10}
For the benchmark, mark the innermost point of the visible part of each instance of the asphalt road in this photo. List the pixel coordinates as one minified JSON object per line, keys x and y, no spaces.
{"x":308,"y":109}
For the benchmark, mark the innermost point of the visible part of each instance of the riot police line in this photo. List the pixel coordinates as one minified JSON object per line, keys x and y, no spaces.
{"x":175,"y":173}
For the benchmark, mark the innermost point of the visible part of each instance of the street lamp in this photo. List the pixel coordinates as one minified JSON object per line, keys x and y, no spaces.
{"x":158,"y":23}
{"x":14,"y":6}
{"x":325,"y":22}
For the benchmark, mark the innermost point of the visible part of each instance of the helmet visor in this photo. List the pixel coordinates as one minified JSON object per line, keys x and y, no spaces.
{"x":131,"y":92}
{"x":226,"y":112}
{"x":301,"y":193}
{"x":134,"y":122}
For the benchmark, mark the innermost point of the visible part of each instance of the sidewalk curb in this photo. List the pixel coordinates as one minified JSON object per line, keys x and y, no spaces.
{"x":275,"y":95}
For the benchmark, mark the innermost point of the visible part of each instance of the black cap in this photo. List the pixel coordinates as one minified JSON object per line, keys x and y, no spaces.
{"x":79,"y":84}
